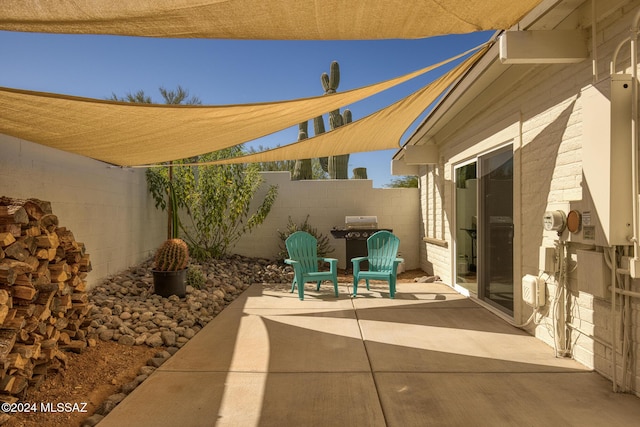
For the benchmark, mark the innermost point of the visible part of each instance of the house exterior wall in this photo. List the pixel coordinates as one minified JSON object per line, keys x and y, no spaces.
{"x":327,"y":202}
{"x":108,"y":209}
{"x":538,"y":109}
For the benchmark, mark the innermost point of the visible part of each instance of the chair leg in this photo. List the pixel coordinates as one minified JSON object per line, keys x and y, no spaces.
{"x":301,"y":291}
{"x":293,"y":285}
{"x":318,"y":287}
{"x":355,"y":286}
{"x":367,"y":280}
{"x":392,"y":287}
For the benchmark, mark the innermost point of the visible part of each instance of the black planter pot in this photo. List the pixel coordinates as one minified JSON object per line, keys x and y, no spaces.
{"x":167,"y":283}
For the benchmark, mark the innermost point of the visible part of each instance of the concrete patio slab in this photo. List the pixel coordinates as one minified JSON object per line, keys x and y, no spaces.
{"x":271,"y":360}
{"x":250,"y":399}
{"x":503,"y":400}
{"x":280,"y":296}
{"x":407,"y":295}
{"x":430,"y":339}
{"x":276,"y":340}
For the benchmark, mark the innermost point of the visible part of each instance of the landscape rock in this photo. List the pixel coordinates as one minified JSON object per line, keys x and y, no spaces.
{"x":126,"y":310}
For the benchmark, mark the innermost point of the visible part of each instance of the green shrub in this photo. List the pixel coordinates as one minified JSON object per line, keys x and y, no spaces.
{"x":216,"y":200}
{"x":324,"y":248}
{"x":195,"y":277}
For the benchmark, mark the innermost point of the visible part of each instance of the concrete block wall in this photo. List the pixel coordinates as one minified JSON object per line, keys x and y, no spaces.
{"x":546,"y":106}
{"x":327,"y":202}
{"x":108,"y":209}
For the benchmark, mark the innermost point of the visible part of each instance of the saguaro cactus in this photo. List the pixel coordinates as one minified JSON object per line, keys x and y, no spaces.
{"x":302,"y":169}
{"x":339,"y":165}
{"x":318,"y":128}
{"x":336,"y":166}
{"x":360,"y":173}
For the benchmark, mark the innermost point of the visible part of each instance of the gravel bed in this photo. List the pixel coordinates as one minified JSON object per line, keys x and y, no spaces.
{"x":126,"y":310}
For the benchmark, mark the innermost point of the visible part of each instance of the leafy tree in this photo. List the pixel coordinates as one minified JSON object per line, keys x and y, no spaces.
{"x":403,"y":182}
{"x":172,"y":97}
{"x":217,"y":200}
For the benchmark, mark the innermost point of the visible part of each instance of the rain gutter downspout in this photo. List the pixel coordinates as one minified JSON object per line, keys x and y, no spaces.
{"x":634,"y":142}
{"x":633,"y":39}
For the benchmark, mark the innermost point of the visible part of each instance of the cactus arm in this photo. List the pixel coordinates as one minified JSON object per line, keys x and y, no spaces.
{"x":334,"y":76}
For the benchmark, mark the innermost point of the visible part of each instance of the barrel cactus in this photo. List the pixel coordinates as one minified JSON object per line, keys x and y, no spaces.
{"x":172,"y":255}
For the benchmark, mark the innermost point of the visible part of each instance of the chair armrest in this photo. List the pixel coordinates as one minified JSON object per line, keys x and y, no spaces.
{"x":297,"y":267}
{"x":397,"y":262}
{"x":359,"y":259}
{"x":356,"y":265}
{"x":333,"y":262}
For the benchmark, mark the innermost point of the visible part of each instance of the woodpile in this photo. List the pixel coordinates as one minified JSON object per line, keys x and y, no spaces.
{"x":43,"y":302}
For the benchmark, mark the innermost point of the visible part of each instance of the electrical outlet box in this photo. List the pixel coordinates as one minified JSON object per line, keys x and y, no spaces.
{"x":533,"y":291}
{"x":547,"y":259}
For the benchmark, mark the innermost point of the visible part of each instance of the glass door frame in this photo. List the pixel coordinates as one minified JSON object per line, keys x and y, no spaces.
{"x":486,"y":225}
{"x":465,"y":290}
{"x":482,"y":285}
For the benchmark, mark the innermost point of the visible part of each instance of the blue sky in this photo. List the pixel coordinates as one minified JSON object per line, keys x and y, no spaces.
{"x":227,"y":71}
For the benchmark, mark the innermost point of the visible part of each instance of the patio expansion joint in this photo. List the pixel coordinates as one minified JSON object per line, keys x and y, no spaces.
{"x":518,"y":372}
{"x":373,"y":376}
{"x":248,"y":371}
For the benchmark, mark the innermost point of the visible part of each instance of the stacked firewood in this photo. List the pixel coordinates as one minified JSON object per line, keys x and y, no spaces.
{"x":43,"y":302}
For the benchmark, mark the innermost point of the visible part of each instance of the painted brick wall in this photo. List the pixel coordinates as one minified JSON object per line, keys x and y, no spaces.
{"x":327,"y":202}
{"x":434,"y":257}
{"x":546,"y":102}
{"x":108,"y":209}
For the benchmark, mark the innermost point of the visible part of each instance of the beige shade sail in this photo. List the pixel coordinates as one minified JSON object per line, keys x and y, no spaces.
{"x":263,"y":19}
{"x":379,"y":131}
{"x":129,"y":134}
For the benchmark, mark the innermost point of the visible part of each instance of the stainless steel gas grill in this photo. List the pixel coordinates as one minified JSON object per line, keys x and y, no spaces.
{"x":356,"y":231}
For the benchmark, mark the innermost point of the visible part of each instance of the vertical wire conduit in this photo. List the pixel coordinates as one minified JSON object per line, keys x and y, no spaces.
{"x":634,"y":260}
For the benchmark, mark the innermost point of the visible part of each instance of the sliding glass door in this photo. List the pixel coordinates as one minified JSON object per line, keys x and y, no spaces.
{"x":496,"y":204}
{"x":484,"y":228}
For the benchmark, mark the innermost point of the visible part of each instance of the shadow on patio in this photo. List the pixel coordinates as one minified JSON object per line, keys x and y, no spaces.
{"x":429,"y":357}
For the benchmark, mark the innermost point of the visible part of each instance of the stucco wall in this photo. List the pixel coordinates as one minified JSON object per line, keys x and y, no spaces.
{"x":109,"y":209}
{"x":539,"y":109}
{"x":327,"y":202}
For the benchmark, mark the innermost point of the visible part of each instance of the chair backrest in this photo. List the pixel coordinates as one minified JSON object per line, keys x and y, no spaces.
{"x":303,"y":247}
{"x":382,"y":250}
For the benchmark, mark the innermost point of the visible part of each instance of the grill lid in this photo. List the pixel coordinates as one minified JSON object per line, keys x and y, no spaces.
{"x":368,"y":222}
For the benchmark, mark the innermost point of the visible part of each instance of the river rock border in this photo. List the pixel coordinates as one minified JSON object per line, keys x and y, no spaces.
{"x":126,"y":310}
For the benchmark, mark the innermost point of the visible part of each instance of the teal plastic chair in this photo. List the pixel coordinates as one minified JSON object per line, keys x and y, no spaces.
{"x":303,"y":256}
{"x":382,"y":254}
